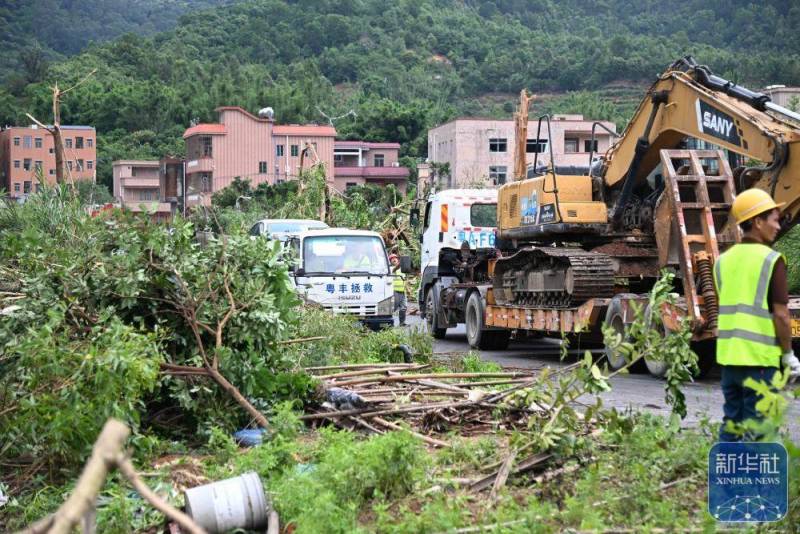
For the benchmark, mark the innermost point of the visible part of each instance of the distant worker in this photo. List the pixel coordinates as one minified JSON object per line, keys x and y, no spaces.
{"x":399,"y":285}
{"x":755,"y":335}
{"x":358,"y":257}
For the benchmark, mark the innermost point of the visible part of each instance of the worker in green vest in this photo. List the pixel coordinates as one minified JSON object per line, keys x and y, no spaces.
{"x":399,"y":286}
{"x":754,"y":332}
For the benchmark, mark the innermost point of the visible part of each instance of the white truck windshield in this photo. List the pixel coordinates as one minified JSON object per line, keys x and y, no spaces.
{"x":344,"y":254}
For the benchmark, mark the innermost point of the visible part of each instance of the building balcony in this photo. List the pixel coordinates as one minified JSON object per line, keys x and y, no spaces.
{"x":387,"y":173}
{"x":148,"y":206}
{"x":144,"y":183}
{"x":204,"y":164}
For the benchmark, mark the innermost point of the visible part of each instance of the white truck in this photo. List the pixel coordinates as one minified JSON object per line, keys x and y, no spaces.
{"x":346,"y":271}
{"x":458,"y":238}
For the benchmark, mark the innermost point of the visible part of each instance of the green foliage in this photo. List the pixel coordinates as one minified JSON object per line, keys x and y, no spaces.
{"x":347,"y":341}
{"x":789,"y":246}
{"x":92,"y":305}
{"x":344,"y":475}
{"x":644,"y":338}
{"x":59,"y":390}
{"x":401,"y":69}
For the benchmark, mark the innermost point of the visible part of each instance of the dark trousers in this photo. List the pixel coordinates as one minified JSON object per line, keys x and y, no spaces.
{"x":740,"y":401}
{"x":400,"y":306}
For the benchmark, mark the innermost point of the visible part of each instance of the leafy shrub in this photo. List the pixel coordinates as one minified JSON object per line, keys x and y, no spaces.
{"x":58,"y":392}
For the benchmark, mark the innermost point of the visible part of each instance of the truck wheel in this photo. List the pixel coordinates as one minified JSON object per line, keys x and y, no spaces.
{"x":616,"y":320}
{"x":431,"y":313}
{"x":478,"y":336}
{"x":656,"y":367}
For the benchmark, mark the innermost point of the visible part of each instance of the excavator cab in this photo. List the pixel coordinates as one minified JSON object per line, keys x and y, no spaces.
{"x":551,"y":200}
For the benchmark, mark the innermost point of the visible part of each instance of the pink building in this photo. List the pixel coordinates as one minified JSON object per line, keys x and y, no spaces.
{"x":137,"y":185}
{"x":27,"y":155}
{"x":250,"y":147}
{"x":359,"y":163}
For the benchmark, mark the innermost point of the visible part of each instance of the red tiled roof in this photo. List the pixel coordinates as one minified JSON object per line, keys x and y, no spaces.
{"x":310,"y":130}
{"x":207,"y":129}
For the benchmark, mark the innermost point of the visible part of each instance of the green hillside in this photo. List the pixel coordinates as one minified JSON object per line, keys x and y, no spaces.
{"x":401,"y":66}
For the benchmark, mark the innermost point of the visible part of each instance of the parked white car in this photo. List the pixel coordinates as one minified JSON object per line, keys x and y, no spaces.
{"x":284,"y":229}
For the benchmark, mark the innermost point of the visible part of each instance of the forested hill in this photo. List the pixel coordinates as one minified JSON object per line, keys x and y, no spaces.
{"x":56,"y":28}
{"x":401,"y":66}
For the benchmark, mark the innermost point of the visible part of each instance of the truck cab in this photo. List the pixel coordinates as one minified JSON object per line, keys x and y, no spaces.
{"x":347,"y":272}
{"x":458,"y":239}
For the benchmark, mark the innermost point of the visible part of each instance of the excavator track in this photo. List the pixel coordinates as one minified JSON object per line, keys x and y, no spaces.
{"x":552,"y":277}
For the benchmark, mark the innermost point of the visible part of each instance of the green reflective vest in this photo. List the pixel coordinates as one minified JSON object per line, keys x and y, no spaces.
{"x":399,"y":282}
{"x":746,"y":331}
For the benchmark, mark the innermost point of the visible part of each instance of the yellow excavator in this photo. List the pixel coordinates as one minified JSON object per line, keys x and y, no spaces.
{"x":659,"y":197}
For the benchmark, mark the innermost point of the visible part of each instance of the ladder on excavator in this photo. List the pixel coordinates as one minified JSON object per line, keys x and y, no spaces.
{"x":692,"y":226}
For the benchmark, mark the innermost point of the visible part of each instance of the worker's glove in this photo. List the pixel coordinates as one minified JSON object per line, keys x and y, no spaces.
{"x":792,"y":364}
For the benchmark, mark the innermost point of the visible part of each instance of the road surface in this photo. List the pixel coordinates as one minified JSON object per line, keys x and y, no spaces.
{"x":634,"y":391}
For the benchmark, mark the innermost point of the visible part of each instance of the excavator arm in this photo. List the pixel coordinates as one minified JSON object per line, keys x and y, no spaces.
{"x":689,"y":101}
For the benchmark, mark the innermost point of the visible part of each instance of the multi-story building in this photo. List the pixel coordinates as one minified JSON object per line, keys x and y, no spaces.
{"x":27,"y":157}
{"x":359,"y":163}
{"x":788,"y":97}
{"x":242,"y":145}
{"x":137,"y":185}
{"x":480,"y":151}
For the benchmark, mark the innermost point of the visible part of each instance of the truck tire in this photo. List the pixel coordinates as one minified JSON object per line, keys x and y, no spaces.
{"x":432,"y":312}
{"x":478,"y":336}
{"x":655,"y":367}
{"x":616,"y":320}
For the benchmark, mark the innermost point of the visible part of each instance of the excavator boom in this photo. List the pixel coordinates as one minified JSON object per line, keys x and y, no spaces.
{"x":689,"y":101}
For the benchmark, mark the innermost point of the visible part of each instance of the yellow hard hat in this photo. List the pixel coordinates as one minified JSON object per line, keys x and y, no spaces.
{"x":750,"y":203}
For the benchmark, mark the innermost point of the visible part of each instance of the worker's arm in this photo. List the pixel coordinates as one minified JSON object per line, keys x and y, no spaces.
{"x":783,"y":328}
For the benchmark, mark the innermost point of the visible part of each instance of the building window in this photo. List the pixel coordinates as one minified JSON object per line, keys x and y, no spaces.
{"x":79,"y":142}
{"x":16,"y":187}
{"x":350,"y":185}
{"x":69,"y":164}
{"x":536,"y":146}
{"x":89,"y":164}
{"x":52,"y":172}
{"x":146,"y":195}
{"x":38,"y":187}
{"x":51,"y":151}
{"x":26,"y":187}
{"x":262,"y":167}
{"x":588,"y":146}
{"x":337,"y":158}
{"x":68,"y":142}
{"x":26,"y":141}
{"x":497,"y":174}
{"x":570,"y":145}
{"x":37,"y":142}
{"x":498,"y":144}
{"x":379,"y":159}
{"x":26,"y":164}
{"x":16,"y":141}
{"x":279,"y":150}
{"x":80,"y":165}
{"x":205,"y":180}
{"x":89,"y":142}
{"x":16,"y":164}
{"x":38,"y":166}
{"x":295,"y":150}
{"x":205,"y":141}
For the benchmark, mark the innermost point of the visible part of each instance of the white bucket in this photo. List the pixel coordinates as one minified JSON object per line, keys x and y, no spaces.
{"x":237,"y":502}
